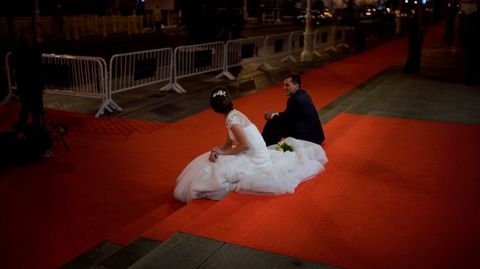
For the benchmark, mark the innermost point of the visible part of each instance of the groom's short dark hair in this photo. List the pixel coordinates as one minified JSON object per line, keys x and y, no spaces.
{"x":295,"y":78}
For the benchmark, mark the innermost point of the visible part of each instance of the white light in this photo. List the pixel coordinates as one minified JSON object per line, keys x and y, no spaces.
{"x":406,"y":1}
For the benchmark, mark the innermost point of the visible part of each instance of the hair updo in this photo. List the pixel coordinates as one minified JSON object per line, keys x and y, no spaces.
{"x":220,"y":100}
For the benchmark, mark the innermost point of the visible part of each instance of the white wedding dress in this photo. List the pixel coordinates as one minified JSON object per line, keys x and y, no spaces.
{"x":258,"y":170}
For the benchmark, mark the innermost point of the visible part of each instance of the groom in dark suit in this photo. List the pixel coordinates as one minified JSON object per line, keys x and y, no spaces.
{"x":299,"y":120}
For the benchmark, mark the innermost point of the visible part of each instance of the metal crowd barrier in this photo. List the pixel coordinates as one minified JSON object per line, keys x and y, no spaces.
{"x":295,"y":45}
{"x":10,"y":79}
{"x":276,"y":45}
{"x":137,"y":69}
{"x":88,"y":76}
{"x":242,"y":51}
{"x":339,"y":34}
{"x":77,"y":76}
{"x":322,"y":40}
{"x":197,"y":59}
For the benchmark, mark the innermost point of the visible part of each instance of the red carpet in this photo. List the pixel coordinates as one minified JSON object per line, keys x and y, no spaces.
{"x":55,"y":209}
{"x":116,"y":182}
{"x":396,"y":194}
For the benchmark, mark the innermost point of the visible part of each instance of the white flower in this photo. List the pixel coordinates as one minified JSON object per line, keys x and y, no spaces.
{"x":220,"y":93}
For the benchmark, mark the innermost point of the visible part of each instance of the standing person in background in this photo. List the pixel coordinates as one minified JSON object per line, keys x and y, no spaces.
{"x":59,"y":20}
{"x":27,"y":61}
{"x":416,"y":31}
{"x":471,"y":40}
{"x":450,"y":16}
{"x":157,"y":18}
{"x":398,"y":22}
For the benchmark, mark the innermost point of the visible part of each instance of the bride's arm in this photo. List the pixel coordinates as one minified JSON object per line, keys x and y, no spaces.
{"x":215,"y":151}
{"x":241,"y":140}
{"x":228,"y":143}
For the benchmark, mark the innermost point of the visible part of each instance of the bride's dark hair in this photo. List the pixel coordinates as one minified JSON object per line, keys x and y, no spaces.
{"x":220,"y":100}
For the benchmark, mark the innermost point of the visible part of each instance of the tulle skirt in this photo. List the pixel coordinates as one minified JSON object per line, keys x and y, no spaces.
{"x":280,"y":173}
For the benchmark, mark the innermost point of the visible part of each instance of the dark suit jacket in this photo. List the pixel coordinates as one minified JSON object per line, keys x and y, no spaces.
{"x":300,"y":118}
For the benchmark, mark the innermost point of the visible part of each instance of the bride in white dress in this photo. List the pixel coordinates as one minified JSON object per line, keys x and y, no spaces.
{"x":244,"y":163}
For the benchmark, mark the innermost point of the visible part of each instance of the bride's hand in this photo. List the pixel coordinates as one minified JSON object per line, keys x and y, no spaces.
{"x":214,"y":153}
{"x":213,"y":156}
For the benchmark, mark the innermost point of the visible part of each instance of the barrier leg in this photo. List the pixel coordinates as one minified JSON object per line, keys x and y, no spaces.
{"x":167,"y":87}
{"x":226,"y":74}
{"x":8,"y":97}
{"x":265,"y":66}
{"x":109,"y":105}
{"x":101,"y":110}
{"x":112,"y":105}
{"x":289,"y":57}
{"x":343,"y":46}
{"x":178,"y":88}
{"x":332,"y":48}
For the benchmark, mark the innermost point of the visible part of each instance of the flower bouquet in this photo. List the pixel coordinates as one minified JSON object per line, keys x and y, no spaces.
{"x":283,"y":146}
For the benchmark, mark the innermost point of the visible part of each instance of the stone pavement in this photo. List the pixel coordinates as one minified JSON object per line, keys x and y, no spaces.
{"x":437,"y":93}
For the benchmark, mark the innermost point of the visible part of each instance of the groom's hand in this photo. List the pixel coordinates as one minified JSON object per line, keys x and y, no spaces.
{"x":269,"y":115}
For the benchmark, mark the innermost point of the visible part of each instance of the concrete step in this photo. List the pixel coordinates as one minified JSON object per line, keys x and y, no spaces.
{"x":190,"y":251}
{"x":108,"y":255}
{"x":129,"y":254}
{"x":90,"y":258}
{"x":181,"y":251}
{"x":166,"y":228}
{"x":135,"y":229}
